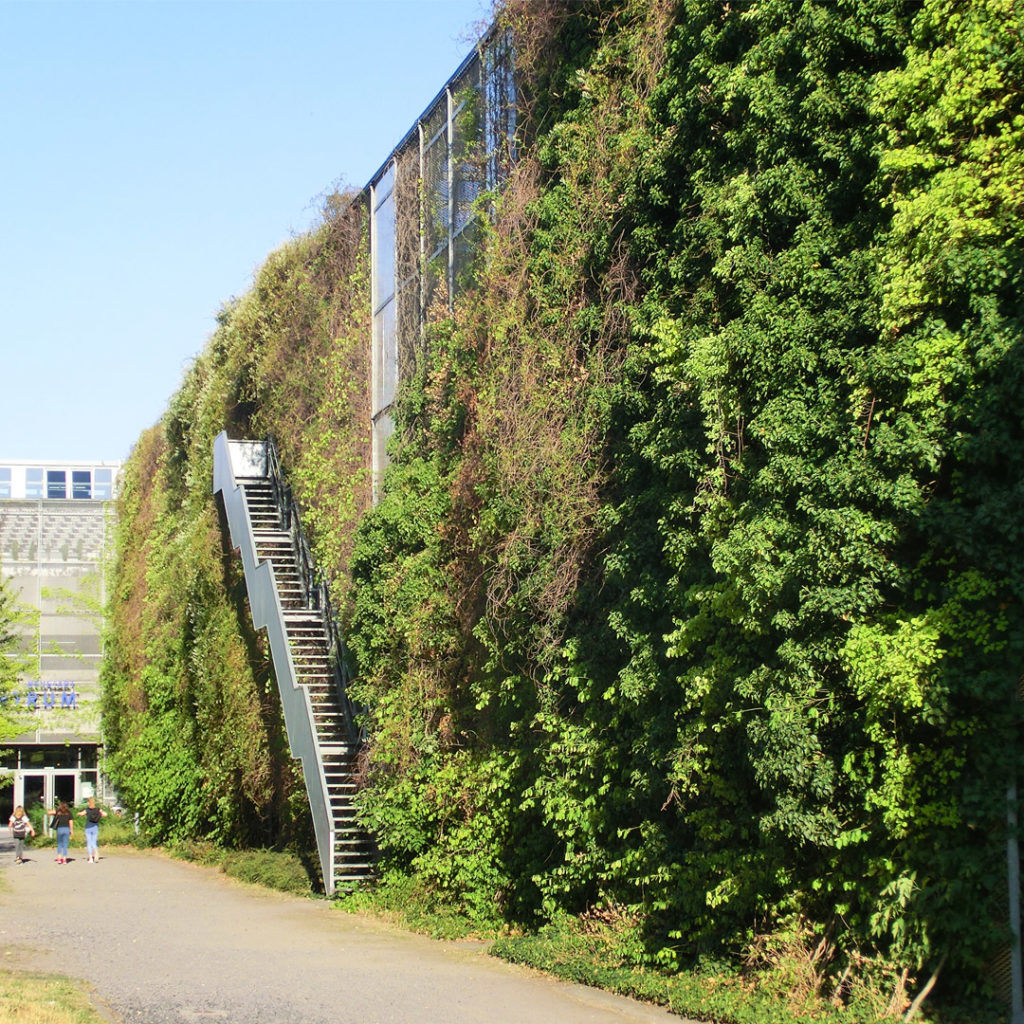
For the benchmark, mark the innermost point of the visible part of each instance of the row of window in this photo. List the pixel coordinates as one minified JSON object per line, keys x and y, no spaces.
{"x":94,"y":484}
{"x":36,"y":758}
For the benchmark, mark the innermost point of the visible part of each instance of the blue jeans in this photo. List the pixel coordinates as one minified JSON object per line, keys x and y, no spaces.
{"x":63,"y":835}
{"x":92,"y":833}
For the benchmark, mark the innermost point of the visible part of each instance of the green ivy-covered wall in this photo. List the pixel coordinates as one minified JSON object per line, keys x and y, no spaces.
{"x":695,"y":584}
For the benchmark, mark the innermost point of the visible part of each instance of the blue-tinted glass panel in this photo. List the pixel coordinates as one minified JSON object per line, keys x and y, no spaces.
{"x":5,"y":482}
{"x":56,"y":483}
{"x":384,"y":250}
{"x":385,"y":183}
{"x":102,"y":480}
{"x":81,"y":483}
{"x":33,"y":483}
{"x":389,"y":355}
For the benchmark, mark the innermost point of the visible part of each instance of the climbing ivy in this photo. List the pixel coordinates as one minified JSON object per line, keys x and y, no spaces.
{"x":692,"y":600}
{"x":13,"y":659}
{"x":191,"y":713}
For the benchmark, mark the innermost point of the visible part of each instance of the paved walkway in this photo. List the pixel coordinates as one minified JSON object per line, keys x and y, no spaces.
{"x":166,"y":942}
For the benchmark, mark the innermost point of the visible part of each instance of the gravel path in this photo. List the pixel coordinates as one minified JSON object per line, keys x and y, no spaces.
{"x":166,"y":942}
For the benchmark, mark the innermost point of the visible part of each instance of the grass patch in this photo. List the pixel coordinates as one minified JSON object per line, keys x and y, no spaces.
{"x":30,"y":998}
{"x":596,"y":950}
{"x":279,"y":870}
{"x":405,"y":901}
{"x":603,"y":948}
{"x":715,"y":995}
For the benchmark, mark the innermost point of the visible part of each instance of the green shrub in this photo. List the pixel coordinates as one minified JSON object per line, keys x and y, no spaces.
{"x":409,"y":901}
{"x":284,"y":872}
{"x":115,"y":830}
{"x":281,"y":870}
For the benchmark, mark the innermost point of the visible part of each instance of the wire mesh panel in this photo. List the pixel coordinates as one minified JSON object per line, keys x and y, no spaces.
{"x":384,"y":343}
{"x":382,"y":254}
{"x":467,"y":147}
{"x":386,"y":347}
{"x":436,"y":192}
{"x":408,"y":255}
{"x":385,"y":380}
{"x":425,"y":216}
{"x":497,"y":75}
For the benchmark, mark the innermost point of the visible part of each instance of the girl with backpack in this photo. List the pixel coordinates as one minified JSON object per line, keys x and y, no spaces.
{"x":21,"y":829}
{"x":92,"y":815}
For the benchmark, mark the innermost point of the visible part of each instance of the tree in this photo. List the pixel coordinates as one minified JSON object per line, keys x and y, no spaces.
{"x":11,"y":658}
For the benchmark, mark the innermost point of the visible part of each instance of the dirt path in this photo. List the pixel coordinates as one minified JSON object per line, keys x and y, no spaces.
{"x":165,"y":942}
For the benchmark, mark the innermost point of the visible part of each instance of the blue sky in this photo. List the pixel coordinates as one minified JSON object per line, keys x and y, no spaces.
{"x":151,"y":155}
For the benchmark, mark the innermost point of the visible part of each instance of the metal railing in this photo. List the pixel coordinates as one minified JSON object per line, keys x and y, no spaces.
{"x":246,"y":460}
{"x":315,"y":592}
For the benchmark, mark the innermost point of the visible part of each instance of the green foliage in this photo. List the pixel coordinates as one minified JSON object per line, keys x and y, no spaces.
{"x":191,"y":715}
{"x":13,"y":660}
{"x":273,"y":869}
{"x":695,"y":587}
{"x":594,"y":949}
{"x":672,"y":543}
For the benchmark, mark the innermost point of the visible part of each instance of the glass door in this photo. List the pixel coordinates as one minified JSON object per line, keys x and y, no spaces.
{"x":64,"y":788}
{"x":33,"y":797}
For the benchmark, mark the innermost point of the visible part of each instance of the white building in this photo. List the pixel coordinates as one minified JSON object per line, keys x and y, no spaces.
{"x":55,"y":523}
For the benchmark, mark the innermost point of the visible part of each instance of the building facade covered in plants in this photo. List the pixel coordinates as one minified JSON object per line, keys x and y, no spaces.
{"x":659,"y":443}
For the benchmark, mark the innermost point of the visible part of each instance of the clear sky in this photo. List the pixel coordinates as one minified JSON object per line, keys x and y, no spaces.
{"x":152,"y":153}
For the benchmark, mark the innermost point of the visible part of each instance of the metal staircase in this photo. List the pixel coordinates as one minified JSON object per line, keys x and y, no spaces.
{"x":288,"y":601}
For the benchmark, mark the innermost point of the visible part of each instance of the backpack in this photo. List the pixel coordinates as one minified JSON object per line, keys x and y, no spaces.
{"x":19,"y":827}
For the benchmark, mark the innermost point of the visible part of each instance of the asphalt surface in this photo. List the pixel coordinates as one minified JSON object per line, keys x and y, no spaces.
{"x":165,"y":942}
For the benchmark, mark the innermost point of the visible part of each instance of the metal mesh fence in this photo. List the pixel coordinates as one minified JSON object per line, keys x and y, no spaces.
{"x":408,"y":255}
{"x":427,"y":237}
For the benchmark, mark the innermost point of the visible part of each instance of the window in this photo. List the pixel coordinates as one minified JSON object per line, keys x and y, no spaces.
{"x":81,"y":483}
{"x":56,"y":483}
{"x":5,"y":482}
{"x":384,"y":339}
{"x":33,"y":483}
{"x":101,"y":483}
{"x":384,"y":251}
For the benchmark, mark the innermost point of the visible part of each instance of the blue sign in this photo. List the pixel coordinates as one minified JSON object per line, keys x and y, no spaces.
{"x":40,"y":696}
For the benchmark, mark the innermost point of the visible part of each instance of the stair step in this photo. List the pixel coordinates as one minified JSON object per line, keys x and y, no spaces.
{"x":310,"y":648}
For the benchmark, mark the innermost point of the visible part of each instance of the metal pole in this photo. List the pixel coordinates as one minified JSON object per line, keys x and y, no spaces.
{"x":1013,"y":884}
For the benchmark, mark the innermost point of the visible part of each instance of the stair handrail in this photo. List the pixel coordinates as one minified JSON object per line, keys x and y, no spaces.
{"x":267,"y":613}
{"x":315,"y":592}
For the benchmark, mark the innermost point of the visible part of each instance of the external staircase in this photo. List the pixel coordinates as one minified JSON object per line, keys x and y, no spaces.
{"x":289,"y":602}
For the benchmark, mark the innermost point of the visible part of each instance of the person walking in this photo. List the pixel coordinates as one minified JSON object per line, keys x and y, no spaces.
{"x":64,"y":826}
{"x":92,"y":815}
{"x":21,"y":829}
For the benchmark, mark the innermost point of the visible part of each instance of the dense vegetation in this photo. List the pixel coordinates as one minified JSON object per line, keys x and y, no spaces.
{"x":693,"y":599}
{"x":13,"y":659}
{"x":190,"y":710}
